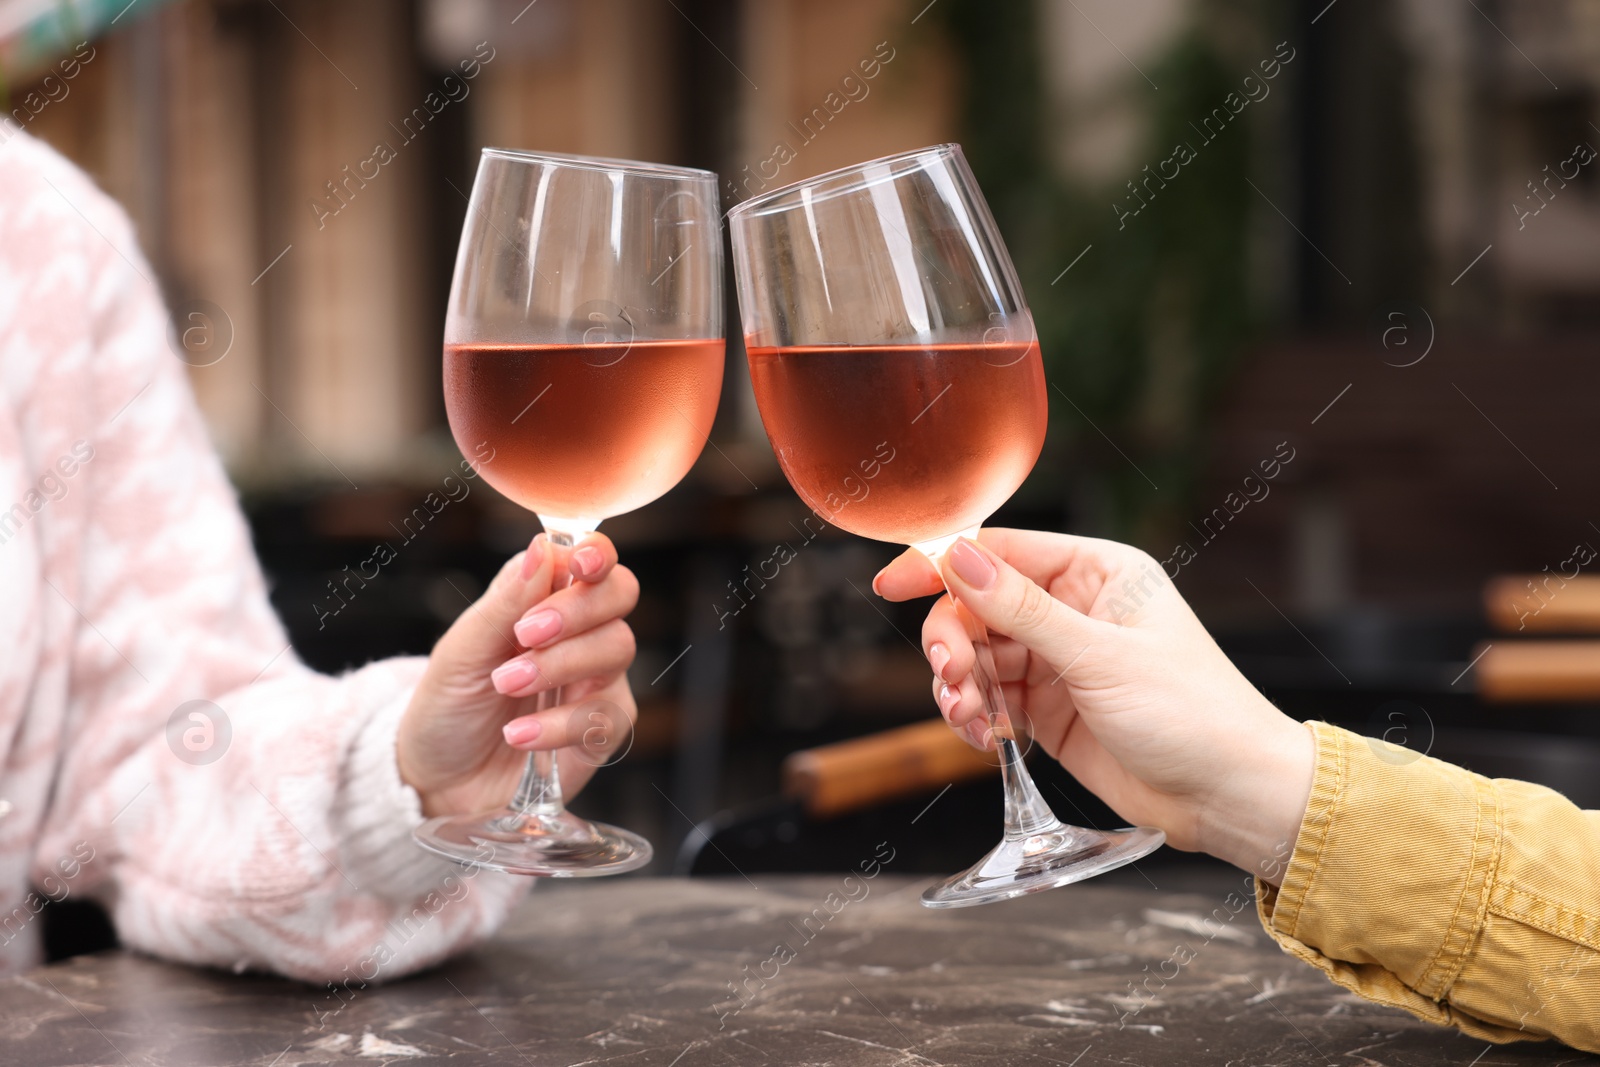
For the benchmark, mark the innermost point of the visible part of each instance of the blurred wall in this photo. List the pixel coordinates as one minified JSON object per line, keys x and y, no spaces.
{"x":298,"y":171}
{"x":1405,"y":157}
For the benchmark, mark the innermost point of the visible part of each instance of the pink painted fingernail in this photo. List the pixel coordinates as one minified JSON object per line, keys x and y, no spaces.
{"x":514,"y":676}
{"x":978,"y":731}
{"x":938,"y":656}
{"x":587,"y":561}
{"x":538,"y":628}
{"x":533,"y":557}
{"x":971,"y":566}
{"x":948,"y":699}
{"x":522,"y":731}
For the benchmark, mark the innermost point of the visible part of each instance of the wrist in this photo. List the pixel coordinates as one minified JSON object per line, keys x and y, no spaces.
{"x":403,"y":745}
{"x":1252,"y":819}
{"x":375,"y":811}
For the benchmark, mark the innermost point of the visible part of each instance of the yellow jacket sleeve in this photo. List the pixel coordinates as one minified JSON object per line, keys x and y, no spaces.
{"x":1467,"y":901}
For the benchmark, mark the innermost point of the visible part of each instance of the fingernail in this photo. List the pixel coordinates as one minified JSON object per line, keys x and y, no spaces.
{"x":948,"y":699}
{"x":533,"y":557}
{"x":538,"y":628}
{"x":938,"y":656}
{"x":587,"y":561}
{"x":875,"y":578}
{"x":978,"y":732}
{"x":522,"y":731}
{"x":516,"y":675}
{"x":971,"y":566}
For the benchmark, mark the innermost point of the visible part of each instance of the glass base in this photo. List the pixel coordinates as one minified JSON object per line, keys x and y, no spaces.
{"x":1055,"y":856}
{"x":558,"y":845}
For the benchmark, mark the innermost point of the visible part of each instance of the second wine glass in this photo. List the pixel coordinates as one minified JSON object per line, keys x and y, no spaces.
{"x":899,"y":379}
{"x":583,"y":362}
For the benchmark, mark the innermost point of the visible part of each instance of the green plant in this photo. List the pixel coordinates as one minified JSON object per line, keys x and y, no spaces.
{"x":1141,"y":334}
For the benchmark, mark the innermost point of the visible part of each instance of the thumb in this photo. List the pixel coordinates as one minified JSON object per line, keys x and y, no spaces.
{"x":482,"y":635}
{"x":1009,"y":603}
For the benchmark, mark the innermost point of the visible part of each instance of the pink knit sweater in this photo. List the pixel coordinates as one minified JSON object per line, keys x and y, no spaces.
{"x":129,"y":589}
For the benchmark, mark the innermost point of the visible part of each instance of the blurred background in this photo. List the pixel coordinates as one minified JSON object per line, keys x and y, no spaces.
{"x":1311,"y":340}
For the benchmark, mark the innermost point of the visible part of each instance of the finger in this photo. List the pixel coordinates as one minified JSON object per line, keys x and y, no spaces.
{"x":482,"y":636}
{"x":593,"y":558}
{"x":1011,"y":660}
{"x":539,"y":551}
{"x":959,"y":702}
{"x":578,"y":608}
{"x":949,"y":651}
{"x":1009,"y":603}
{"x":1083,"y":562}
{"x":1043,"y":556}
{"x":945,"y":642}
{"x":983,"y":734}
{"x":971,"y":718}
{"x":605,"y":650}
{"x":598,"y":727}
{"x":909,"y":576}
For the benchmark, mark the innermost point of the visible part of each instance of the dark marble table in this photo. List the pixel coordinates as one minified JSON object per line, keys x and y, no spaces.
{"x":642,"y":973}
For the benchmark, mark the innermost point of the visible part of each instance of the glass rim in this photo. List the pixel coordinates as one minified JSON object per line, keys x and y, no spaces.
{"x":773,"y":200}
{"x":599,"y":163}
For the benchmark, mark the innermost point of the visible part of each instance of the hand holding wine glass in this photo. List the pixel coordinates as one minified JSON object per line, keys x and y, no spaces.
{"x":899,"y":380}
{"x":464,"y":738}
{"x":1123,"y":686}
{"x":582,"y":368}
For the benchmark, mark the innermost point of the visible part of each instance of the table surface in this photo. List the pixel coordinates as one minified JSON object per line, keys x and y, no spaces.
{"x":637,"y":973}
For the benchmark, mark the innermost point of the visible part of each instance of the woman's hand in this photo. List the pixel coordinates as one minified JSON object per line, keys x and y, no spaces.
{"x":1118,"y":680}
{"x":471,"y":722}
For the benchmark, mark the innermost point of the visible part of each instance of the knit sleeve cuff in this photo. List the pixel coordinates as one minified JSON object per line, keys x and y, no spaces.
{"x":375,"y":812}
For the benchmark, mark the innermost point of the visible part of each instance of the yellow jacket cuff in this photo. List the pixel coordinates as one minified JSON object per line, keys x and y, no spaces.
{"x":1466,"y":901}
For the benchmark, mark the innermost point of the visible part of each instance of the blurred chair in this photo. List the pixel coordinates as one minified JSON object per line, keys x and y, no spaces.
{"x":1540,"y":670}
{"x":835,"y":779}
{"x":919,"y":790}
{"x":836,"y":797}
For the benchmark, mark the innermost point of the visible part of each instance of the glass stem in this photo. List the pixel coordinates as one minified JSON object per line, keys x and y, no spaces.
{"x":539,"y":792}
{"x":1026,"y":811}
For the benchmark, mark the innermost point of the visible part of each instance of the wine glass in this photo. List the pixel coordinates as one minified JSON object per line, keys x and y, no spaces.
{"x":898,"y":375}
{"x":583,"y":351}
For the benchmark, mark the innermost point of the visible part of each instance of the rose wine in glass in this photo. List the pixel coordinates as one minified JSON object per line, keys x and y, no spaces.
{"x":583,"y":357}
{"x":617,"y":437}
{"x":899,"y":380}
{"x":962,"y":452}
